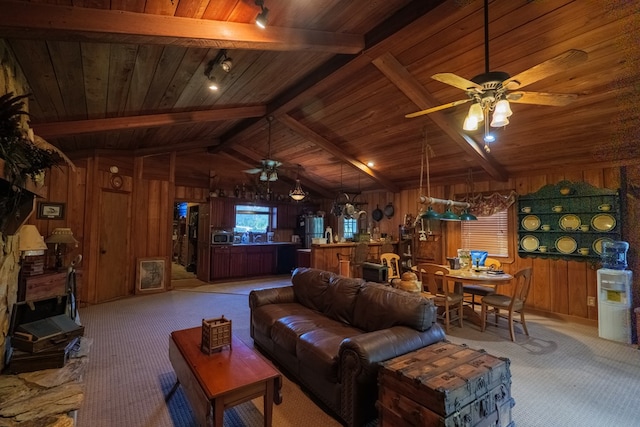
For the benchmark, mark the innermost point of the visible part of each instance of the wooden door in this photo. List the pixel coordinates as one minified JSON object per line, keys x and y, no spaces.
{"x":113,"y":256}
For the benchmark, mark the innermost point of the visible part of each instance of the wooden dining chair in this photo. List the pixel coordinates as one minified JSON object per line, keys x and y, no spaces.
{"x":513,"y":304}
{"x":482,"y":290}
{"x":434,"y":281}
{"x":391,"y":260}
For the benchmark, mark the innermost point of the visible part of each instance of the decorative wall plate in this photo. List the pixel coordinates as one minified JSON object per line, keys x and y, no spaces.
{"x":597,"y":244}
{"x":566,"y":245}
{"x":530,"y":222}
{"x":603,"y":222}
{"x":529,"y":243}
{"x":569,"y":222}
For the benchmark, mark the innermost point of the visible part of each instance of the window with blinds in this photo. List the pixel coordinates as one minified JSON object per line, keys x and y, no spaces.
{"x":488,"y":233}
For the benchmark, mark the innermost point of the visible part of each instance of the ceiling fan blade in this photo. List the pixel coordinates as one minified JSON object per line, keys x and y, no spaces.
{"x":456,"y":81}
{"x":562,"y":62}
{"x":438,"y":108}
{"x":541,"y":98}
{"x":252,"y":171}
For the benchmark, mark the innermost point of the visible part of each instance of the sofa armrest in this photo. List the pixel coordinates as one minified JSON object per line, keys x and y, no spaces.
{"x":258,"y":297}
{"x":359,"y":362}
{"x":367,"y":350}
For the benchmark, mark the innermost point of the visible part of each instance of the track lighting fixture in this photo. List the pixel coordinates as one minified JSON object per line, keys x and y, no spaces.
{"x":213,"y":84}
{"x":263,"y":17}
{"x":224,"y":62}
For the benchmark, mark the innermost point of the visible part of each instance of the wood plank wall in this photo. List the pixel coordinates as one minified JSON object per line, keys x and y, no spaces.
{"x":560,"y":288}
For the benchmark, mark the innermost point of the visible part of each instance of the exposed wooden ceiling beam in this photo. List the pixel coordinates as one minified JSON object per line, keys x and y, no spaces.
{"x":45,"y":21}
{"x":403,"y":80}
{"x":327,"y":145}
{"x":178,"y":148}
{"x":335,"y":69}
{"x":78,"y":127}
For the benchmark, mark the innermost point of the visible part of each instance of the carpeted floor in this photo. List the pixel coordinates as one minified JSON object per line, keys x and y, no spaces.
{"x":563,"y":374}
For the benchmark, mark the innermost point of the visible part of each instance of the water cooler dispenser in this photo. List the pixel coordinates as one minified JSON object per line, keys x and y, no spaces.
{"x":614,"y":293}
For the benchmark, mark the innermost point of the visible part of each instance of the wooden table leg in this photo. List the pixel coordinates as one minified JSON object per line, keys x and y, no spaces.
{"x":268,"y":402}
{"x":218,"y":412}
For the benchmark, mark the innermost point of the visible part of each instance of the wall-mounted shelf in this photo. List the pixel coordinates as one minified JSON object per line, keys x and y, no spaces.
{"x":568,"y":220}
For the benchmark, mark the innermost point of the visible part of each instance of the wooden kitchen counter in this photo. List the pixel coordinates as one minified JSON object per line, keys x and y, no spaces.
{"x":325,"y":257}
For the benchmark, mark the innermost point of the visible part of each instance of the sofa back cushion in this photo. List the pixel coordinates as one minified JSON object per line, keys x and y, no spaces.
{"x":379,"y":306}
{"x":326,"y":292}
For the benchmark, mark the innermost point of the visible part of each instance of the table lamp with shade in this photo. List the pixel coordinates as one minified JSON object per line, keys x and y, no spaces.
{"x":61,"y":237}
{"x":32,"y":248}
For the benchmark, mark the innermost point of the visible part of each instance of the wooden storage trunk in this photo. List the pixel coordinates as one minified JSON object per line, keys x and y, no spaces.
{"x":216,"y":333}
{"x":445,"y":384}
{"x":42,"y":325}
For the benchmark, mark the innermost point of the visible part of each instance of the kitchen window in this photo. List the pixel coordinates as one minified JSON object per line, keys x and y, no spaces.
{"x":257,"y":219}
{"x":488,"y":233}
{"x":349,"y":227}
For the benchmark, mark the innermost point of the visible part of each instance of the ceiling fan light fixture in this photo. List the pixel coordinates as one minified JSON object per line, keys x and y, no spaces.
{"x":263,"y":176}
{"x":476,"y":111}
{"x":470,"y":123}
{"x":273,"y":176}
{"x":499,"y":120}
{"x":503,"y":107}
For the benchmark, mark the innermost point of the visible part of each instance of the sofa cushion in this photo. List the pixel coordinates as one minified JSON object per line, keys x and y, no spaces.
{"x":286,"y":330}
{"x":318,"y":349}
{"x":379,"y":306}
{"x":326,"y":292}
{"x":264,"y":316}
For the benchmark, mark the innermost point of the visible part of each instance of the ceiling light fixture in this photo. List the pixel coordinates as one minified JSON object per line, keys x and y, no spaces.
{"x":227,"y":63}
{"x":263,"y":17}
{"x":213,"y":84}
{"x":297,"y":194}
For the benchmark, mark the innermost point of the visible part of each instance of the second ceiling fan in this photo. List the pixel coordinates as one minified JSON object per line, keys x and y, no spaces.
{"x":493,"y":90}
{"x":268,"y":168}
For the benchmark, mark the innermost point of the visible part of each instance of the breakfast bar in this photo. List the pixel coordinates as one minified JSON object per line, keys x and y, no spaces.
{"x":326,"y":256}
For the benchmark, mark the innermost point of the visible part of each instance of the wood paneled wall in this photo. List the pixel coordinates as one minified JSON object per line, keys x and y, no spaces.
{"x":560,"y":288}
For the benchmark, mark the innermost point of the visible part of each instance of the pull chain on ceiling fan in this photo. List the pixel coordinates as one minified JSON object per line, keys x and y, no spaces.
{"x":493,"y":90}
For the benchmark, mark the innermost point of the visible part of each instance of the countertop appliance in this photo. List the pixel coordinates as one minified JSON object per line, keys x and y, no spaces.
{"x":221,"y":237}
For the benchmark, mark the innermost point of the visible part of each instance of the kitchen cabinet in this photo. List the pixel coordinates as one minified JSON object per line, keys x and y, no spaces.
{"x":261,"y":260}
{"x":237,"y":261}
{"x":223,"y":213}
{"x":220,"y":262}
{"x":568,"y":220}
{"x":287,"y":216}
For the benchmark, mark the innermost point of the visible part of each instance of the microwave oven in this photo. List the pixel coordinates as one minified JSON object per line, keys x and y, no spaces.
{"x":221,"y":237}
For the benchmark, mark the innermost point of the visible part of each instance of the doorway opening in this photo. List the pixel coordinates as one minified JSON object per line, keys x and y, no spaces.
{"x":185,"y":241}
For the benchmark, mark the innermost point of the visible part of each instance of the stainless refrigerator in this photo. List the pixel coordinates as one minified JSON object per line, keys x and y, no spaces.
{"x":310,"y":227}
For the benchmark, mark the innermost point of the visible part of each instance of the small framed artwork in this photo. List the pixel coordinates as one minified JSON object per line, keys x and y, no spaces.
{"x":150,"y":275}
{"x":49,"y":210}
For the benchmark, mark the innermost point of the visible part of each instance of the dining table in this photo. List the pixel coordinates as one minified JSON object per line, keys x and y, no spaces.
{"x":477,"y":276}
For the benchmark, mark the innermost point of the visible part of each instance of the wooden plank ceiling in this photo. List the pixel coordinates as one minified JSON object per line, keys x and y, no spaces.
{"x":130,"y":78}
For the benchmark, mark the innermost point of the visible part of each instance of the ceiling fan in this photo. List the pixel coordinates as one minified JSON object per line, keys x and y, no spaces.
{"x":268,"y":168}
{"x":493,"y":90}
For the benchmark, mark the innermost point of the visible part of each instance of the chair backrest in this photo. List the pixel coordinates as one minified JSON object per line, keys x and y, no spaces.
{"x":360,"y":253}
{"x":391,"y":261}
{"x":433,"y":278}
{"x":493,"y":263}
{"x":521,"y":288}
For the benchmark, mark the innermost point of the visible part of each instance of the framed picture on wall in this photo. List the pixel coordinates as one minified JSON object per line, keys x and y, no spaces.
{"x":150,"y":274}
{"x":49,"y":210}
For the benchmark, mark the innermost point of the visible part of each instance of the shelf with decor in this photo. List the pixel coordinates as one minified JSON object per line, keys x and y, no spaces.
{"x":568,"y":220}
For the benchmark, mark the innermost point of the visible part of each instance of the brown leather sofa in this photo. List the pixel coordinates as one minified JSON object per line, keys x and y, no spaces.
{"x":330,"y":332}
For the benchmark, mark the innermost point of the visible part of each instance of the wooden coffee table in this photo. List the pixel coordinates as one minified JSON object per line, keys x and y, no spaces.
{"x":213,"y":383}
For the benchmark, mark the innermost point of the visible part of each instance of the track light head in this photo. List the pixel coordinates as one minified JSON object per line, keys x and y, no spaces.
{"x":263,"y":17}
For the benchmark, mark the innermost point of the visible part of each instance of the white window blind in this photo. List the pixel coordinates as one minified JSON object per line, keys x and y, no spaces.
{"x":488,"y":233}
